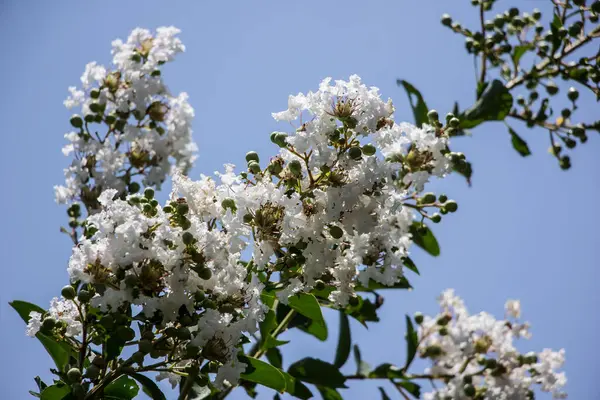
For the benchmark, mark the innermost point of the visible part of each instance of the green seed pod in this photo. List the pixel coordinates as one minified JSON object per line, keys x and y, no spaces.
{"x":573,"y":94}
{"x":336,"y":232}
{"x":565,"y":162}
{"x":419,"y":318}
{"x":187,"y":238}
{"x":565,"y":113}
{"x":74,"y":375}
{"x":252,"y":156}
{"x":95,"y":107}
{"x":84,"y":296}
{"x":76,"y":121}
{"x":446,"y":20}
{"x":48,"y":323}
{"x":191,"y":351}
{"x":125,"y":333}
{"x":575,"y":30}
{"x":369,"y":149}
{"x":275,"y":168}
{"x":355,"y":153}
{"x":89,"y":118}
{"x":168,"y":209}
{"x":68,"y":292}
{"x":185,"y":224}
{"x":295,"y":167}
{"x":469,"y":390}
{"x":578,"y":131}
{"x":183,"y":208}
{"x":94,"y":93}
{"x":228,"y":203}
{"x":454,"y":122}
{"x":205,"y":273}
{"x":428,"y":198}
{"x":145,"y":346}
{"x":451,"y":206}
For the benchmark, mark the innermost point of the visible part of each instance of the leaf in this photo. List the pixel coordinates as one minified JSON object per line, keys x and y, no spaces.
{"x":268,"y":324}
{"x":114,"y":346}
{"x":419,"y":107}
{"x":387,"y":371}
{"x":263,"y":373}
{"x":465,"y":169}
{"x":410,"y":387}
{"x":423,"y":237}
{"x":307,"y":305}
{"x":318,"y":372}
{"x":493,"y":105}
{"x":295,"y":387}
{"x":149,"y":386}
{"x":274,"y":357}
{"x":408,"y":263}
{"x":555,"y":26}
{"x":362,"y":368}
{"x":519,"y":51}
{"x":364,"y":312}
{"x":412,"y":341}
{"x":271,"y":342}
{"x":519,"y":144}
{"x":56,"y":392}
{"x":401,"y":284}
{"x":24,"y":308}
{"x":384,"y":395}
{"x":329,"y":393}
{"x":123,"y":388}
{"x":344,"y":341}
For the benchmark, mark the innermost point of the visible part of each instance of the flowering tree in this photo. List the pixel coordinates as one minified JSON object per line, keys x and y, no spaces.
{"x":198,"y":290}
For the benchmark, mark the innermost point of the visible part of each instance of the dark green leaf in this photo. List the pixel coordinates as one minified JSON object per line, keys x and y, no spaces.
{"x":410,"y":387}
{"x":425,"y":240}
{"x":274,"y":357}
{"x":418,"y":106}
{"x":35,"y":394}
{"x":114,"y":346}
{"x":59,"y":351}
{"x":271,"y":342}
{"x":329,"y":393}
{"x":412,"y":341}
{"x":364,"y":312}
{"x":465,"y":169}
{"x":373,"y":285}
{"x":24,"y":309}
{"x":344,"y":341}
{"x":384,"y":395}
{"x":307,"y":305}
{"x":268,"y":324}
{"x":518,"y":143}
{"x":318,"y":372}
{"x":554,"y":28}
{"x":56,"y":392}
{"x":362,"y":368}
{"x":263,"y":374}
{"x":493,"y":105}
{"x":295,"y":387}
{"x":386,"y":371}
{"x":408,"y":263}
{"x":149,"y":386}
{"x":40,"y":384}
{"x":124,"y":388}
{"x":519,"y":51}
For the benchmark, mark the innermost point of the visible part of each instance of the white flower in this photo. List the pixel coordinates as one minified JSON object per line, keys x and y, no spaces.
{"x":34,"y":324}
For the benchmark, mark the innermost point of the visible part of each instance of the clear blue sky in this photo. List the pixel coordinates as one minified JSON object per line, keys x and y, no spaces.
{"x":524,"y":230}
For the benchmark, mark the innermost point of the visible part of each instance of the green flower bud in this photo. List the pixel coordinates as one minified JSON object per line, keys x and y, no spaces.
{"x":170,"y":332}
{"x":446,"y":20}
{"x":295,"y":167}
{"x":133,"y":187}
{"x":280,"y":139}
{"x":199,"y":296}
{"x":467,"y":379}
{"x":596,"y":7}
{"x":419,"y":318}
{"x":319,"y":285}
{"x":107,"y":322}
{"x":84,"y":296}
{"x":565,"y":162}
{"x":254,"y":167}
{"x":469,"y":390}
{"x":575,"y":29}
{"x":565,"y":113}
{"x":187,"y":238}
{"x":433,"y":116}
{"x":228,"y":203}
{"x":154,"y":203}
{"x":125,"y":333}
{"x":433,"y":351}
{"x":451,"y":206}
{"x":95,"y":107}
{"x":68,"y":292}
{"x":537,"y":14}
{"x":76,"y":121}
{"x":248,"y":218}
{"x":209,"y":304}
{"x":138,"y":357}
{"x":491,"y":363}
{"x":551,"y":88}
{"x":252,"y":156}
{"x":355,"y":153}
{"x":48,"y":323}
{"x":436,"y":218}
{"x":578,"y":131}
{"x":74,"y":375}
{"x":353,"y":301}
{"x":227,"y":308}
{"x":94,"y":93}
{"x":135,"y":57}
{"x":89,"y":118}
{"x":570,"y":143}
{"x":454,"y":122}
{"x":191,"y":351}
{"x":155,"y":73}
{"x":573,"y":94}
{"x":275,"y":168}
{"x":205,"y":273}
{"x":443,"y":331}
{"x":443,"y":198}
{"x":336,"y":232}
{"x":183,"y":333}
{"x":428,"y":198}
{"x":186,"y":224}
{"x":183,"y":208}
{"x":92,"y":372}
{"x":369,"y":149}
{"x":145,"y":346}
{"x":149,"y":193}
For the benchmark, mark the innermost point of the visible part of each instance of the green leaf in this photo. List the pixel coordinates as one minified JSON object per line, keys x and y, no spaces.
{"x":384,"y":395}
{"x":329,"y":394}
{"x":344,"y":341}
{"x":519,"y":51}
{"x":59,"y":351}
{"x":519,"y":144}
{"x":271,"y":342}
{"x":465,"y":169}
{"x":425,"y":240}
{"x":263,"y":373}
{"x":373,"y":285}
{"x":387,"y":371}
{"x":268,"y":324}
{"x":493,"y":105}
{"x":149,"y":386}
{"x":274,"y":357}
{"x":307,"y":305}
{"x":197,"y":392}
{"x":362,"y":368}
{"x":24,"y":308}
{"x":410,"y":387}
{"x":364,"y":312}
{"x":124,"y":388}
{"x":408,"y":263}
{"x":114,"y":346}
{"x":295,"y":387}
{"x":412,"y":341}
{"x":418,"y":106}
{"x":318,"y":372}
{"x":56,"y":392}
{"x":555,"y":26}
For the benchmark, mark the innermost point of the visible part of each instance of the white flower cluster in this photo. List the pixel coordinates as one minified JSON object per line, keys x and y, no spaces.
{"x":477,"y":355}
{"x":62,"y":313}
{"x":132,"y":125}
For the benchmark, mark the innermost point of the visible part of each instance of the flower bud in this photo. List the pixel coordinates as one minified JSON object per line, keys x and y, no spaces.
{"x":446,"y":20}
{"x":199,"y":296}
{"x":84,"y":296}
{"x":228,"y":203}
{"x":454,"y":122}
{"x":573,"y":94}
{"x":68,"y":292}
{"x":355,"y":153}
{"x":183,"y":333}
{"x":204,"y":273}
{"x":187,"y":238}
{"x":183,"y":208}
{"x":319,"y":285}
{"x":596,"y":7}
{"x":248,"y":218}
{"x":92,"y":372}
{"x":74,"y":375}
{"x":336,"y":232}
{"x":125,"y":333}
{"x":254,"y":167}
{"x":76,"y":121}
{"x":537,"y":14}
{"x":451,"y":206}
{"x":369,"y":149}
{"x":428,"y":198}
{"x":436,"y":218}
{"x":138,"y":357}
{"x":295,"y":167}
{"x":551,"y":88}
{"x":48,"y":323}
{"x":280,"y":139}
{"x":353,"y":301}
{"x":433,"y":116}
{"x":419,"y":318}
{"x":145,"y":346}
{"x":469,"y":390}
{"x":252,"y":156}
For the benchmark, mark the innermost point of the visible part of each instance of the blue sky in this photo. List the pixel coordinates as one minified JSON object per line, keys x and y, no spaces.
{"x":524,"y":230}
